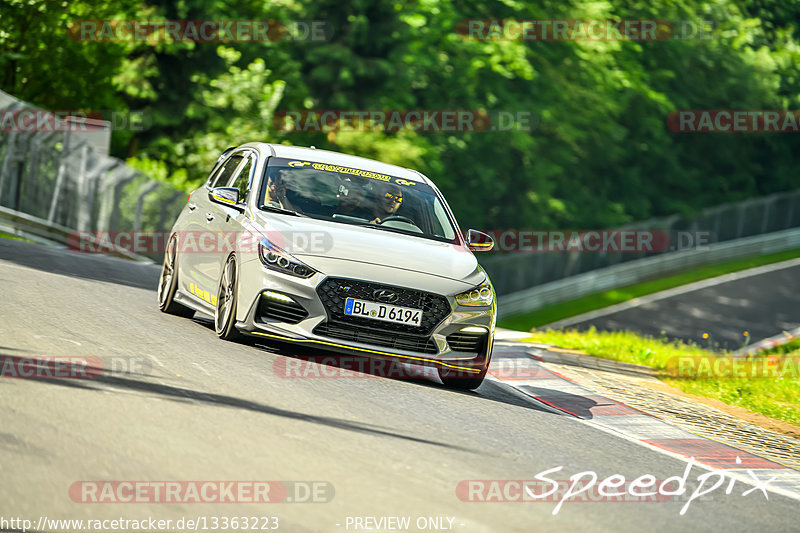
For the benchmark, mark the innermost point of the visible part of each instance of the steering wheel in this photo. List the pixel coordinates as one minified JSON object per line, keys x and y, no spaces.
{"x":398,"y":218}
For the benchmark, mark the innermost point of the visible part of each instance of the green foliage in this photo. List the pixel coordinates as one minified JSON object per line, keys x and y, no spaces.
{"x":600,"y":154}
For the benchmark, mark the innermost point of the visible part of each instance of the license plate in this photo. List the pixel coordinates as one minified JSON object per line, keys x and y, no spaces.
{"x":388,"y":313}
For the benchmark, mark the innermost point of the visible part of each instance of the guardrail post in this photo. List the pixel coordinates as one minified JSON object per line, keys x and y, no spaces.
{"x":5,"y":170}
{"x":84,"y":210}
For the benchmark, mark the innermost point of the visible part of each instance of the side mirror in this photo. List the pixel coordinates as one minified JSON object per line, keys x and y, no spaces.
{"x":227,"y":196}
{"x":478,"y":241}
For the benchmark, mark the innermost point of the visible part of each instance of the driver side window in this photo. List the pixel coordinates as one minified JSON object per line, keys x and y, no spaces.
{"x":242,"y":179}
{"x":226,"y":171}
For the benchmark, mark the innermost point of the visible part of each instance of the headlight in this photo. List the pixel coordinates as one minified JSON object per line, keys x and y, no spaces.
{"x":276,"y":259}
{"x":482,"y":295}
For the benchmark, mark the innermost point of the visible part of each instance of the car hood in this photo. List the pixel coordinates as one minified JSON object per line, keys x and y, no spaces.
{"x":319,"y":243}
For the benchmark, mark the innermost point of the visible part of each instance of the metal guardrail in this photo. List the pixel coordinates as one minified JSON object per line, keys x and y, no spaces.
{"x":624,"y":274}
{"x":769,"y":342}
{"x":514,"y":272}
{"x":40,"y":230}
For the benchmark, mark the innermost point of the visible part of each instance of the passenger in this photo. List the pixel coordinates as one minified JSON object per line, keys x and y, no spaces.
{"x":386,"y":200}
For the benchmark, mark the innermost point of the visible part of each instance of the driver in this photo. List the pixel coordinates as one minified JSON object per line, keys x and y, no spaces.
{"x":280,"y":194}
{"x":387,"y":199}
{"x":276,"y":190}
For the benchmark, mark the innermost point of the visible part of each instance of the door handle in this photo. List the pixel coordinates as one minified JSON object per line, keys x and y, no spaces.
{"x":191,"y":207}
{"x":209,"y":216}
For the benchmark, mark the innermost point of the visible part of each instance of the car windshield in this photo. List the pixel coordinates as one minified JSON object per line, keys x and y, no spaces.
{"x":355,"y":196}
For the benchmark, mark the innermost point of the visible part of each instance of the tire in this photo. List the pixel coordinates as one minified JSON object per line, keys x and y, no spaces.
{"x":227,"y":298}
{"x":168,"y":284}
{"x":461,"y":379}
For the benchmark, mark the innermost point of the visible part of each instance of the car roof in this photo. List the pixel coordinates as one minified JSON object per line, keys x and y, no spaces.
{"x":337,"y":158}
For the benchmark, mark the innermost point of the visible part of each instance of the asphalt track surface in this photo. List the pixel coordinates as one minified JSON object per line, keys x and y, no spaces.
{"x":763,"y":305}
{"x":205,"y":409}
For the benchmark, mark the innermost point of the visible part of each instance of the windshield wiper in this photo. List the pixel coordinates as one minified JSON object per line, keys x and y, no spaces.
{"x":428,"y":236}
{"x":281,"y":210}
{"x":393,"y":230}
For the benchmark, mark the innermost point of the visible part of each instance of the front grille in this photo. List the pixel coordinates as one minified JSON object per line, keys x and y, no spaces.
{"x":287,"y":312}
{"x":333,"y":292}
{"x":466,"y":342}
{"x":399,"y":341}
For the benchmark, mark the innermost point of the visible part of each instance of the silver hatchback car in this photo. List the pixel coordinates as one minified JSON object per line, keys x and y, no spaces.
{"x":344,"y":253}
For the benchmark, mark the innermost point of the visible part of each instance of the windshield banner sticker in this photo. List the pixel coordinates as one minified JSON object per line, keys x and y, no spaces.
{"x":354,"y":171}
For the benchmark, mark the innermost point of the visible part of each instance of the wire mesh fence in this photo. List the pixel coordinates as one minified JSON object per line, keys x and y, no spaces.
{"x":57,"y":174}
{"x":520,"y":270}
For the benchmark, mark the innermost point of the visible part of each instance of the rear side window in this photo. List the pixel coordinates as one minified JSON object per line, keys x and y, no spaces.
{"x":226,"y":171}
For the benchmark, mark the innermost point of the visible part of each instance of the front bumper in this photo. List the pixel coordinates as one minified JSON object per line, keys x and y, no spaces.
{"x":311,"y":318}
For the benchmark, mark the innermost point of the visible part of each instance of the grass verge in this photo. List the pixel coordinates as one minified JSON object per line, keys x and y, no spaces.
{"x":777,"y":397}
{"x":552,"y":313}
{"x":4,"y":235}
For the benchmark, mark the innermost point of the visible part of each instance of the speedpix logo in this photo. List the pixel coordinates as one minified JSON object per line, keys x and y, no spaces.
{"x":589,"y":487}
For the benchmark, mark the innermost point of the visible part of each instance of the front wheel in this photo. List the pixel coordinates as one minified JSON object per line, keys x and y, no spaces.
{"x":461,"y":379}
{"x":225,"y":312}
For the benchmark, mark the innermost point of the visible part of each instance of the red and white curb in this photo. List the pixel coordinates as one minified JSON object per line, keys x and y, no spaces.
{"x":562,"y":395}
{"x":771,"y":342}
